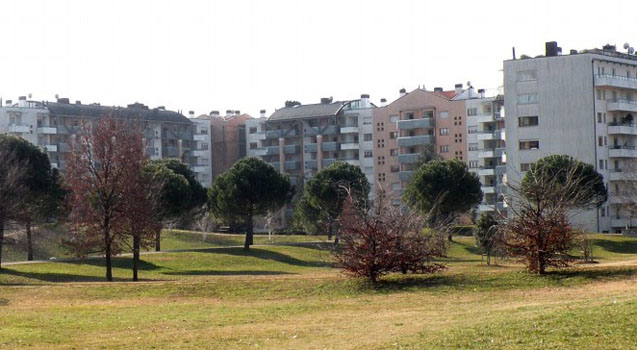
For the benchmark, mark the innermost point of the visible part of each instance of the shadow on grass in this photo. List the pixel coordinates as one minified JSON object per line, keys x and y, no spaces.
{"x":4,"y":302}
{"x":266,"y":255}
{"x":623,"y":247}
{"x":478,"y":282}
{"x":226,"y":273}
{"x":118,"y":263}
{"x":53,"y":277}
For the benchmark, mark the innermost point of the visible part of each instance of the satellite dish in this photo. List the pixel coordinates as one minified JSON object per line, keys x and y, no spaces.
{"x":30,"y":96}
{"x":631,"y":50}
{"x":626,"y":45}
{"x":57,"y":96}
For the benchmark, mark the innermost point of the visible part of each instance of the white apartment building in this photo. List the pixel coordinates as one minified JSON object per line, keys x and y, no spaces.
{"x":486,"y":148}
{"x":583,"y":105}
{"x":202,"y":151}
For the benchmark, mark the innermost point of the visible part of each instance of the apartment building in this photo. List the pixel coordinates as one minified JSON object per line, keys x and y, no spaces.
{"x":486,"y":148}
{"x":583,"y":105}
{"x":202,"y":150}
{"x":417,"y":124}
{"x":50,"y":125}
{"x":301,"y":139}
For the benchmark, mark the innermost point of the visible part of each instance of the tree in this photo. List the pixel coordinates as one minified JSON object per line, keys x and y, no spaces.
{"x":42,"y":186}
{"x":250,"y":188}
{"x":181,"y":192}
{"x":486,"y":235}
{"x":388,"y":241}
{"x":538,"y":230}
{"x":325,"y":194}
{"x":444,"y":189}
{"x":104,"y":164}
{"x":565,"y":168}
{"x":141,"y":218}
{"x":11,"y":185}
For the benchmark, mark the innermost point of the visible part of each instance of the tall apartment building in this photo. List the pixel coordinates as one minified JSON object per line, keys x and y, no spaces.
{"x":202,"y":150}
{"x":50,"y":125}
{"x":486,"y":148}
{"x":583,"y":105}
{"x":300,"y":140}
{"x":418,"y":123}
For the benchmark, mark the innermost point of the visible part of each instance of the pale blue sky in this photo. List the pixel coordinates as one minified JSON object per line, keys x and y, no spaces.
{"x":249,"y":54}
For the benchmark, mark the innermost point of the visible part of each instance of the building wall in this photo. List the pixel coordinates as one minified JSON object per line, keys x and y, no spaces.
{"x":203,"y":150}
{"x":228,"y":141}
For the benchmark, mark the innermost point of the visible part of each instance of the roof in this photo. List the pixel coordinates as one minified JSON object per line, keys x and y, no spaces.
{"x":308,"y":111}
{"x":97,"y":111}
{"x":446,"y":94}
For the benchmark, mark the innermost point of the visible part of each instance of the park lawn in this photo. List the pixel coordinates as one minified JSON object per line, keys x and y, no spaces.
{"x":289,"y":297}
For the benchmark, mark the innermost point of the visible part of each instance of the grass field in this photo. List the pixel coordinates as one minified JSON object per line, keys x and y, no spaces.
{"x":290,"y":297}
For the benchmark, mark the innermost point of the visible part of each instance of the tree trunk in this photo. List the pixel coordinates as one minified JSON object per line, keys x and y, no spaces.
{"x":1,"y":235}
{"x":329,"y":231}
{"x":249,"y":234}
{"x":488,"y":258}
{"x":136,"y":244}
{"x":29,"y":241}
{"x":158,"y":241}
{"x":107,"y":256}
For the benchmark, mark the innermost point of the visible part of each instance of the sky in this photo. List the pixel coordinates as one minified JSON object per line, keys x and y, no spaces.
{"x":250,"y":55}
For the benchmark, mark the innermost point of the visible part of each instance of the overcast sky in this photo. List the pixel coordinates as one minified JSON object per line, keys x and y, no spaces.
{"x":248,"y":54}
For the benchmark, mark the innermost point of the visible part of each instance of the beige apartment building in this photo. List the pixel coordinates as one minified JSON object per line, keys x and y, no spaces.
{"x":417,"y":123}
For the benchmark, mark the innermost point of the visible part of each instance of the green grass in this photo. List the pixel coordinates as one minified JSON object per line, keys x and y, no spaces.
{"x":289,"y":296}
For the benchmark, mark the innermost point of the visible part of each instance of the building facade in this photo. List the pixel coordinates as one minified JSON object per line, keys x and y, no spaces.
{"x":583,"y":105}
{"x":51,"y":125}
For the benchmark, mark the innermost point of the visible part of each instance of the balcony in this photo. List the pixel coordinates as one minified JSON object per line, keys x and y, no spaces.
{"x":486,"y":171}
{"x":290,"y":149}
{"x":290,"y":165}
{"x":321,"y":130}
{"x":349,"y":130}
{"x":615,"y":81}
{"x":310,"y":147}
{"x":621,"y":105}
{"x":200,"y":169}
{"x":500,"y":169}
{"x":349,"y":145}
{"x":50,"y":148}
{"x":311,"y":164}
{"x":48,"y":130}
{"x":271,"y":150}
{"x":201,"y":152}
{"x":329,"y":161}
{"x":355,"y":162}
{"x":486,"y":208}
{"x":409,"y":141}
{"x":491,"y":152}
{"x":415,"y":123}
{"x":201,"y":137}
{"x":405,"y":175}
{"x":488,"y":189}
{"x":330,"y":146}
{"x":622,"y":151}
{"x":409,"y":158}
{"x":275,"y":134}
{"x":484,"y":118}
{"x":259,"y":136}
{"x":54,"y":165}
{"x":495,"y":135}
{"x":622,"y":129}
{"x":620,"y":198}
{"x":618,"y":175}
{"x":275,"y":165}
{"x":18,"y":128}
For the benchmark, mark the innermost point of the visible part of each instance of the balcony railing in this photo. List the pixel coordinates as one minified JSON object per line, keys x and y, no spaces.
{"x":409,"y":141}
{"x":415,"y":123}
{"x":409,"y":158}
{"x":330,"y":146}
{"x":615,"y":81}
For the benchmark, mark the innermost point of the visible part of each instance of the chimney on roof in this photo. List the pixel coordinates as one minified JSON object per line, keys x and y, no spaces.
{"x":383,"y":102}
{"x":191,"y":114}
{"x":214,"y":113}
{"x":481,"y":93}
{"x":237,"y":112}
{"x":609,"y":47}
{"x":292,"y":103}
{"x":365,"y":101}
{"x":262,"y":113}
{"x":22,"y":98}
{"x":229,"y":112}
{"x":458,"y":89}
{"x":437,"y":89}
{"x":402,"y":92}
{"x":161,"y":108}
{"x":8,"y":102}
{"x":64,"y":100}
{"x":551,"y":49}
{"x":78,"y":102}
{"x":326,"y":100}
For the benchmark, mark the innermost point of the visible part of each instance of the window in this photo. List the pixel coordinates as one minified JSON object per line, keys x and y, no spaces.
{"x":381,"y":177}
{"x":395,"y":168}
{"x":393,"y":118}
{"x":368,"y":154}
{"x":526,"y":75}
{"x":525,"y":166}
{"x":472,"y":129}
{"x":473,"y":164}
{"x":395,"y":186}
{"x":444,"y":131}
{"x":253,"y":145}
{"x":251,"y":130}
{"x":380,"y":143}
{"x":444,"y":115}
{"x":598,"y":94}
{"x":600,"y":141}
{"x":527,"y":121}
{"x":473,"y":147}
{"x":204,"y":146}
{"x":525,"y":99}
{"x":381,"y":160}
{"x":367,"y":137}
{"x":444,"y":149}
{"x":531,"y":144}
{"x":486,"y":109}
{"x":472,"y":111}
{"x":367,"y":121}
{"x":599,"y":117}
{"x":601,"y":164}
{"x":393,"y":135}
{"x":603,"y":212}
{"x":393,"y":152}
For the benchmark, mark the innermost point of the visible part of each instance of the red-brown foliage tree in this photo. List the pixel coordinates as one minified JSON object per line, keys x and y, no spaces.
{"x":103,"y":167}
{"x":386,"y":241}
